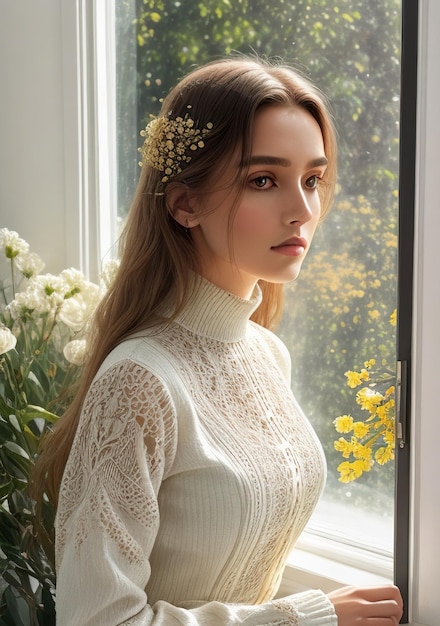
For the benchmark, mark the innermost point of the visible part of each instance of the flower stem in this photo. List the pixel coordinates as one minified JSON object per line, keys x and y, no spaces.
{"x":13,"y":278}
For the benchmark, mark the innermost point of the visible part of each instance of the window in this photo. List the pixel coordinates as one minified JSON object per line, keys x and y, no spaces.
{"x":340,"y":313}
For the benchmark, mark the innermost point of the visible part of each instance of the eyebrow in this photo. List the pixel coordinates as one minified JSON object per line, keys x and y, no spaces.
{"x":273,"y":160}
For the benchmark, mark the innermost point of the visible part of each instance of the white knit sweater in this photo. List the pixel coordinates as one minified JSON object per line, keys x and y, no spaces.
{"x":192,"y":474}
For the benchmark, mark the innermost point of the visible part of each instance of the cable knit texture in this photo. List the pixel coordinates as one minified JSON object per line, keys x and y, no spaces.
{"x":192,"y":474}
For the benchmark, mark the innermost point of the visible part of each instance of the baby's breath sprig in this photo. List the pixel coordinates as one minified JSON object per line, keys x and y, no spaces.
{"x":169,"y":142}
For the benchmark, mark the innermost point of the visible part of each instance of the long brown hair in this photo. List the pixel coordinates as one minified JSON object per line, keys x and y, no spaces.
{"x":156,"y":252}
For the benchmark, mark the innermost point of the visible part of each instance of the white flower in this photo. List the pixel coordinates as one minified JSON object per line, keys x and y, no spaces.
{"x":90,"y":294}
{"x":29,"y":264}
{"x":7,"y":340}
{"x":108,"y":272}
{"x":25,"y":302}
{"x":76,"y":286}
{"x":12,"y":244}
{"x":44,"y":294}
{"x":75,"y":351}
{"x":74,"y":314}
{"x":74,"y":280}
{"x":80,"y":299}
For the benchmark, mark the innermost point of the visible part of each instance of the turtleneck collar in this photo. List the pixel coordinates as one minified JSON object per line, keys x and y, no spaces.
{"x":217,"y":314}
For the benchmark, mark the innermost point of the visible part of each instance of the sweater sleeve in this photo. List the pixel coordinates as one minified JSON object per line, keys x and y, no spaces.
{"x":108,"y":517}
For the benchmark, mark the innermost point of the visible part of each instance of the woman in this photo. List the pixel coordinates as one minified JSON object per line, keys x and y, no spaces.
{"x":185,"y":471}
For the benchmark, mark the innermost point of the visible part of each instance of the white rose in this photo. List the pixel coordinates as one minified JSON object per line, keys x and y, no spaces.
{"x":73,"y":314}
{"x":75,"y":351}
{"x":7,"y":340}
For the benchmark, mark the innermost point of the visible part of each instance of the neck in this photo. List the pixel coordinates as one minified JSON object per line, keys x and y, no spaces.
{"x":230,"y":279}
{"x":217,"y":313}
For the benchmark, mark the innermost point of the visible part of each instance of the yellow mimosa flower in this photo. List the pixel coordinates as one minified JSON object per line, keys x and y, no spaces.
{"x":343,"y":424}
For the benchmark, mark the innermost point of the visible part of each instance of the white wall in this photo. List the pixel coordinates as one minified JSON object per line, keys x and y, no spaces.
{"x":36,"y":200}
{"x":427,"y":331}
{"x":32,"y":181}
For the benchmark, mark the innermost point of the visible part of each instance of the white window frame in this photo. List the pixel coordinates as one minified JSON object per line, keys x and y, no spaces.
{"x":90,"y":140}
{"x":89,"y":132}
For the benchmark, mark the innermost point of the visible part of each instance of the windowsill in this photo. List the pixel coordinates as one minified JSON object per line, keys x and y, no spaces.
{"x":301,"y":574}
{"x":342,"y":545}
{"x":321,"y":563}
{"x":311,"y":569}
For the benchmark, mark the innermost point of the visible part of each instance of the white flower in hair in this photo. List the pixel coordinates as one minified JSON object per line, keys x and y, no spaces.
{"x":169,"y":142}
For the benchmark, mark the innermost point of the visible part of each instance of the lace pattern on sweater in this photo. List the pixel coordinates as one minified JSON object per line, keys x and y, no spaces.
{"x":124,"y":445}
{"x":311,"y":611}
{"x":238,"y":391}
{"x":288,"y":609}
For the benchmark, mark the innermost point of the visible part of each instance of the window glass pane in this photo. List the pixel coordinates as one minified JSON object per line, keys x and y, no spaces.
{"x":339,"y":314}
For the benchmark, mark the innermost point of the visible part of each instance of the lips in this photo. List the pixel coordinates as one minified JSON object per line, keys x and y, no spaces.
{"x":293,"y":241}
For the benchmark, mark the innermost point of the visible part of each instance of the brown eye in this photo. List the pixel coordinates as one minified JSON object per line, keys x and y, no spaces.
{"x":262,"y":182}
{"x":312,"y":182}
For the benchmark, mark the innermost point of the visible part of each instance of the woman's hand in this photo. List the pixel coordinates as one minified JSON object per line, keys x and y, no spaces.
{"x":367,"y":606}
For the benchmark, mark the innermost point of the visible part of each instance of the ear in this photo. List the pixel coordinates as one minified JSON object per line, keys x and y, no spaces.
{"x":181,"y":204}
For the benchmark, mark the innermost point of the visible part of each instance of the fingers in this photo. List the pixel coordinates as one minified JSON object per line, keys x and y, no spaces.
{"x":381,"y":592}
{"x":381,"y":609}
{"x":385,"y":601}
{"x":368,"y":606}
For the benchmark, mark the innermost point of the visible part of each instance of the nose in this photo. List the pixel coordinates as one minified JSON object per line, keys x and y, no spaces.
{"x":301,"y":206}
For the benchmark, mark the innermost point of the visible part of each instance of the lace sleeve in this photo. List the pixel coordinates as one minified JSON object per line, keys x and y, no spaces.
{"x":108,"y":515}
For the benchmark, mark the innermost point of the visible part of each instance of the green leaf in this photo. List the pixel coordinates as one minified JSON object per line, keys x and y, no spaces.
{"x":6,"y":430}
{"x":14,"y":422}
{"x":16,"y":608}
{"x":33,"y":412}
{"x":5,"y":489}
{"x":16,"y":449}
{"x":5,"y":409}
{"x":15,"y":464}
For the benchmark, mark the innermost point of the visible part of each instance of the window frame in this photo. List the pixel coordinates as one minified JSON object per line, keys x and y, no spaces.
{"x":407,"y":199}
{"x":88,"y":49}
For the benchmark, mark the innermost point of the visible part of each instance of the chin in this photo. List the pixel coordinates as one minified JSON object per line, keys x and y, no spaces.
{"x":286,"y":277}
{"x":277,"y":280}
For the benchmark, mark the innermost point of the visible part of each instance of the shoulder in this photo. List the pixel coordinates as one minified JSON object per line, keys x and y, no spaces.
{"x":130,"y":400}
{"x":143,"y":350}
{"x":275,"y":346}
{"x":135,"y":346}
{"x":145,"y":358}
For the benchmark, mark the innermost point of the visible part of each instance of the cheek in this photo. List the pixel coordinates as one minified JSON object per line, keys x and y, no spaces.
{"x":314,"y":222}
{"x":250,"y":222}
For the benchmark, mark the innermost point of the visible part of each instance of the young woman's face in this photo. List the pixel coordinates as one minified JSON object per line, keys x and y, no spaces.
{"x":278,"y":212}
